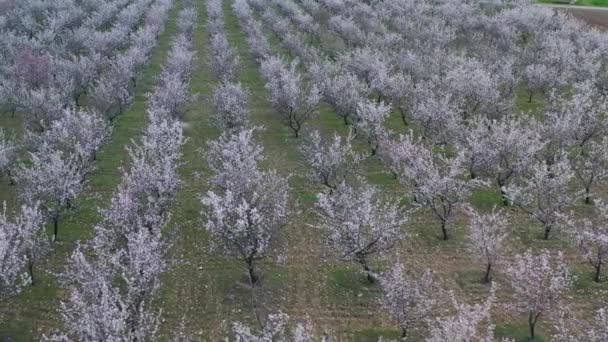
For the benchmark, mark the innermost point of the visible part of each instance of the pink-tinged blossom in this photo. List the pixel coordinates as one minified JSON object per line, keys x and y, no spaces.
{"x":277,"y":328}
{"x":32,"y":68}
{"x":247,"y":207}
{"x":22,"y":243}
{"x":342,"y":90}
{"x":539,"y":282}
{"x":224,"y":60}
{"x":110,"y":96}
{"x":332,"y":160}
{"x":234,"y":160}
{"x":8,"y":153}
{"x":370,"y":123}
{"x":590,"y":165}
{"x":52,"y":178}
{"x":470,"y":323}
{"x":407,"y":298}
{"x":488,"y":233}
{"x":294,"y":98}
{"x":544,"y":193}
{"x":436,"y":181}
{"x":78,"y":132}
{"x":360,"y":222}
{"x":590,"y":236}
{"x":230,"y":107}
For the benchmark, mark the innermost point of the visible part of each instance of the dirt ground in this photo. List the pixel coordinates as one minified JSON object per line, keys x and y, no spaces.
{"x":595,"y":17}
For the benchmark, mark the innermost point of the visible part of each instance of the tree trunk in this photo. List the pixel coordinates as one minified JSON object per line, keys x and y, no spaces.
{"x":11,"y":180}
{"x":547,"y":231}
{"x":370,"y":277}
{"x":532,"y":324}
{"x":403,"y":332}
{"x":30,"y":270}
{"x":345,"y":120}
{"x":403,"y":119}
{"x":598,"y":268}
{"x":444,"y":231}
{"x":503,"y":193}
{"x":253,"y":278}
{"x":368,"y":271}
{"x":587,"y":195}
{"x":487,"y":278}
{"x":530,"y":97}
{"x":55,"y":228}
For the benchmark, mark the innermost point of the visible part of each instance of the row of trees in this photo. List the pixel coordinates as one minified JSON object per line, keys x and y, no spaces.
{"x":113,"y":280}
{"x":60,"y":157}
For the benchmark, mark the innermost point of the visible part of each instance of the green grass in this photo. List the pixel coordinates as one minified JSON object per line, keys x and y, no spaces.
{"x":25,"y":317}
{"x":597,"y":3}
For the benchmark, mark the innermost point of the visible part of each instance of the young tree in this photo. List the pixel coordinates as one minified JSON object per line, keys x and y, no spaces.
{"x":361,"y":222}
{"x":224,"y":60}
{"x":346,"y":29}
{"x":22,"y":244}
{"x":590,"y":164}
{"x":474,"y":143}
{"x":466,"y":325}
{"x":187,"y":21}
{"x":435,"y":111}
{"x":443,"y":190}
{"x":80,"y":72}
{"x":32,"y":68}
{"x":230,"y":107}
{"x":599,"y":332}
{"x":79,"y":132}
{"x":171,"y":94}
{"x":590,"y":237}
{"x":332,"y":160}
{"x":8,"y":153}
{"x":344,"y":91}
{"x":52,"y":178}
{"x":539,"y":78}
{"x":276,"y":328}
{"x":407,"y":299}
{"x":544,"y":194}
{"x":96,"y":309}
{"x":110,"y":96}
{"x":291,"y":96}
{"x":474,"y":89}
{"x":511,"y":146}
{"x":487,"y":238}
{"x":42,"y":107}
{"x":398,"y":90}
{"x":180,"y":61}
{"x":436,"y":181}
{"x":539,"y":285}
{"x":246,"y":225}
{"x":248,"y":207}
{"x":585,"y":111}
{"x":234,"y":160}
{"x":370,"y":122}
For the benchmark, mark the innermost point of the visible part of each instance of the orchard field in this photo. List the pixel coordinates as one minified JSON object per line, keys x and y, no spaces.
{"x":302,"y":170}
